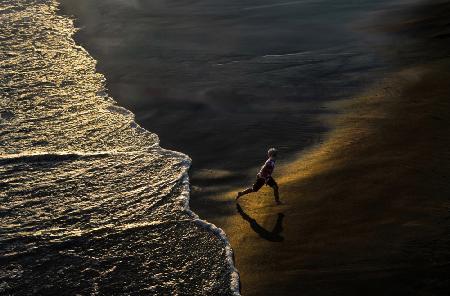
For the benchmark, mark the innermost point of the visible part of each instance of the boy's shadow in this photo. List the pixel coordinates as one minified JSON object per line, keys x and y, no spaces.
{"x":273,"y":236}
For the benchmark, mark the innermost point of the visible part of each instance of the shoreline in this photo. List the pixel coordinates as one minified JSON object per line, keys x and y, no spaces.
{"x":196,"y":106}
{"x":252,"y":248}
{"x":45,"y":237}
{"x":214,"y":230}
{"x":235,"y":288}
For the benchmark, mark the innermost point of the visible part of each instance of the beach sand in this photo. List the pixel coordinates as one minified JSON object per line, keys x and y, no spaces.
{"x":367,"y":211}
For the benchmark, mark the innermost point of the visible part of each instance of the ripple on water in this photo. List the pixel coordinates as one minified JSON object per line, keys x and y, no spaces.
{"x":89,"y":202}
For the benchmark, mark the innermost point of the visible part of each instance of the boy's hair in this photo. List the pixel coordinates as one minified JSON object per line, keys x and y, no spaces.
{"x":272,"y":152}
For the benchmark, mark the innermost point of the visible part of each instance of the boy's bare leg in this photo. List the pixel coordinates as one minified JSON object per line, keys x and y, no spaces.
{"x":276,"y":194}
{"x":246,"y":191}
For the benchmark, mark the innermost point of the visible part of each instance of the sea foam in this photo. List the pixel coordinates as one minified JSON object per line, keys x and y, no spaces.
{"x":90,"y":202}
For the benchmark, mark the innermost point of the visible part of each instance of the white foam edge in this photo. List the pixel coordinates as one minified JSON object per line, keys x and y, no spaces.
{"x":185,"y":197}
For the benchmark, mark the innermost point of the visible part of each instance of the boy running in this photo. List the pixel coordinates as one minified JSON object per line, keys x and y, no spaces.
{"x":264,"y":177}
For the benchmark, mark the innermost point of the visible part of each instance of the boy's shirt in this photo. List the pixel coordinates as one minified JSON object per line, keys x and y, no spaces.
{"x":267,"y":169}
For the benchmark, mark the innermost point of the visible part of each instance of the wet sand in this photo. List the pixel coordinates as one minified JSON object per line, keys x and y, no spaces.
{"x":223,"y":80}
{"x":367,"y":211}
{"x":366,"y":208}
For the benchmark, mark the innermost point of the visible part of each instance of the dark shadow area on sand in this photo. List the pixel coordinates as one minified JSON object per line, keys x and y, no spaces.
{"x":272,"y":236}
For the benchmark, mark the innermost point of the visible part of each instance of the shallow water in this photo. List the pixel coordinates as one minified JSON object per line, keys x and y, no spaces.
{"x":90,"y":204}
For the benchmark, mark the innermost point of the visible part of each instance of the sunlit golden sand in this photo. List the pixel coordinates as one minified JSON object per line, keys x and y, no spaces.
{"x":366,"y":201}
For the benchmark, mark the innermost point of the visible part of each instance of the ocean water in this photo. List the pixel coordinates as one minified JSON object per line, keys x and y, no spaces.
{"x":89,"y":201}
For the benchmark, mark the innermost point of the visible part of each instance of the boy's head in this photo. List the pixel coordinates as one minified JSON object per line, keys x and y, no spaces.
{"x":272,"y":152}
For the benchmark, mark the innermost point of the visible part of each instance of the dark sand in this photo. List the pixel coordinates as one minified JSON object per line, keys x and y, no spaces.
{"x":366,"y":212}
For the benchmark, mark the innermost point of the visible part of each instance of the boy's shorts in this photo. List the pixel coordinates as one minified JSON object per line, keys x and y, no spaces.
{"x":261,"y":181}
